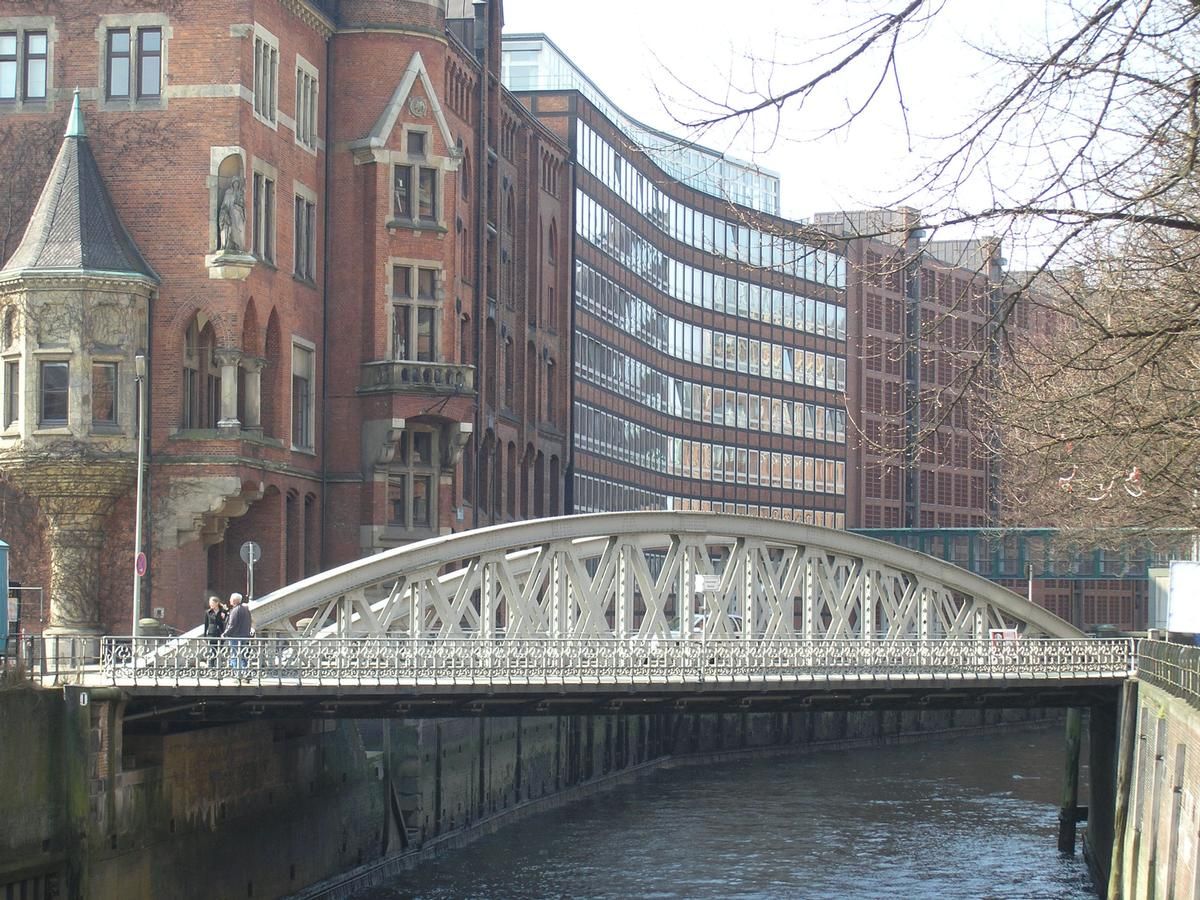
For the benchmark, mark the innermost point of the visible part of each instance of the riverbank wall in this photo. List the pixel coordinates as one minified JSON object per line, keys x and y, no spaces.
{"x":1157,"y":828}
{"x":97,"y":806}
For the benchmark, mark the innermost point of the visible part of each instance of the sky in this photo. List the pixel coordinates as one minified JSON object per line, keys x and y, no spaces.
{"x":653,"y":57}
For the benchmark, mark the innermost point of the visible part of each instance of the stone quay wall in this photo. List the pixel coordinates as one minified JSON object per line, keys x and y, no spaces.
{"x":99,"y":807}
{"x":1158,"y":853}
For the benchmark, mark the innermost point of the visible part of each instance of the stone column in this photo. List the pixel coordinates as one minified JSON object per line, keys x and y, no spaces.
{"x":228,"y":360}
{"x":75,"y":540}
{"x":76,"y":496}
{"x":253,"y":401}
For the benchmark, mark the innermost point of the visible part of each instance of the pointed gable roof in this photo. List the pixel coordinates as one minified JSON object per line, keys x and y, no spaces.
{"x":415,"y":71}
{"x":74,"y":227}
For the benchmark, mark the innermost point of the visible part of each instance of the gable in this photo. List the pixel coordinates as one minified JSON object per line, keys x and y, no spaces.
{"x":415,"y":72}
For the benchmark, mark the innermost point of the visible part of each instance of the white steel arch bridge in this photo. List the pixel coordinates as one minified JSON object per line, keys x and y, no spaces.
{"x":629,"y":608}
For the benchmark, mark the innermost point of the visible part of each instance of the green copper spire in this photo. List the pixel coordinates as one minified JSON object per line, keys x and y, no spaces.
{"x":75,"y":127}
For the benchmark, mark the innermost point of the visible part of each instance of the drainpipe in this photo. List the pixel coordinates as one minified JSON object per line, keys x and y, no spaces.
{"x":325,"y":254}
{"x":480,"y":301}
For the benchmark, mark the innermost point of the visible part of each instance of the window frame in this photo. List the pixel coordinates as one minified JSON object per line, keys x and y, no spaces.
{"x":43,"y":420}
{"x":302,"y":430}
{"x":110,"y":55}
{"x":20,"y":62}
{"x":304,"y":233}
{"x":10,"y":414}
{"x":114,"y":368}
{"x":138,"y":90}
{"x":421,"y":172}
{"x":410,"y":306}
{"x":306,"y":125}
{"x":13,"y":60}
{"x":29,"y":56}
{"x":264,"y":201}
{"x":265,"y":89}
{"x":142,"y":55}
{"x":402,"y":477}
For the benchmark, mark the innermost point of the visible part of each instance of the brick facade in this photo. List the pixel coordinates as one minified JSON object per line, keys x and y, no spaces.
{"x":288,"y":402}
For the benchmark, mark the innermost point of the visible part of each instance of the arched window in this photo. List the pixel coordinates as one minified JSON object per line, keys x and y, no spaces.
{"x":552,"y":247}
{"x":201,"y":388}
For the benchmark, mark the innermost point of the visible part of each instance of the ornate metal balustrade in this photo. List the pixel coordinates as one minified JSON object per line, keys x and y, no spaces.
{"x":644,"y":575}
{"x":559,"y":664}
{"x":405,"y":375}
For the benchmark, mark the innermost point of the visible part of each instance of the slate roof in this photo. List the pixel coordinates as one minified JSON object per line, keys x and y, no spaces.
{"x":74,"y":226}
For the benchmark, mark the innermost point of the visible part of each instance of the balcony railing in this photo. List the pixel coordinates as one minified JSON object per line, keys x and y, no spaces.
{"x":418,"y":377}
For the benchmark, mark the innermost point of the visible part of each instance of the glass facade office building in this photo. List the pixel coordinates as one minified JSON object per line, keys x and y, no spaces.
{"x":709,"y":340}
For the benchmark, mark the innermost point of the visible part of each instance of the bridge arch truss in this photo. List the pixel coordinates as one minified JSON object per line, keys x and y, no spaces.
{"x":651,"y":575}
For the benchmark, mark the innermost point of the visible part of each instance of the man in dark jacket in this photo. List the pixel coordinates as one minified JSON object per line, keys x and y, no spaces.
{"x":237,"y":629}
{"x":214,"y":627}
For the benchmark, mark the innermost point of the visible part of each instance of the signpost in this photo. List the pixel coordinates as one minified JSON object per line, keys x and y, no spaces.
{"x":251,"y":553}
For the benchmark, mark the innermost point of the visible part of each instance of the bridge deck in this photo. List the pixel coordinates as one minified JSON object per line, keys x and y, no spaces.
{"x":455,"y":676}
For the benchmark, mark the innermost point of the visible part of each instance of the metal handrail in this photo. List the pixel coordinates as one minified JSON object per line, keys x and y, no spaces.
{"x":478,"y":661}
{"x":1173,"y":667}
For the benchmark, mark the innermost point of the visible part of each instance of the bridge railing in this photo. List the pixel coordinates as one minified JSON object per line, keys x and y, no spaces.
{"x":48,"y":659}
{"x":291,"y":662}
{"x":1173,"y":667}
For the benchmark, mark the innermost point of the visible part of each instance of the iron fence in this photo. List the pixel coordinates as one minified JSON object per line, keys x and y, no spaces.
{"x":1173,"y":667}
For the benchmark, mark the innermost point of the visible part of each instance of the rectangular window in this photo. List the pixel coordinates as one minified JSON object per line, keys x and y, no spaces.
{"x":306,"y":108}
{"x":264,"y":217}
{"x":191,"y":398}
{"x":12,"y":393}
{"x":425,"y":207}
{"x":302,"y":397}
{"x":402,"y":193}
{"x":415,"y":322}
{"x":411,"y":492}
{"x":305,"y":239}
{"x":104,"y":393}
{"x":397,"y":500}
{"x":118,"y":63}
{"x":55,"y":380}
{"x":427,"y":198}
{"x":8,"y":65}
{"x":266,"y":78}
{"x":36,"y":52}
{"x":149,"y":62}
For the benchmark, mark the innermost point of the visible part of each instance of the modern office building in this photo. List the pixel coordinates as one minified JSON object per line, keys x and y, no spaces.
{"x":318,"y":222}
{"x":920,"y":315}
{"x":710,"y":343}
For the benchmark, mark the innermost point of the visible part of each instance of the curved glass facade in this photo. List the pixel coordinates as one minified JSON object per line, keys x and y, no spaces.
{"x":709,"y":341}
{"x":531,"y":62}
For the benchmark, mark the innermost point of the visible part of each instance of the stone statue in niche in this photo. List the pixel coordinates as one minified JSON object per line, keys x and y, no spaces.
{"x":231,"y":217}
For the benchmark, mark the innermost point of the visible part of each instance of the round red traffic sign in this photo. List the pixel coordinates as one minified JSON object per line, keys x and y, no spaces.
{"x":139,"y":564}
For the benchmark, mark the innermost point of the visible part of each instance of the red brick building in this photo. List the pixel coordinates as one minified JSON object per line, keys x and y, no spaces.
{"x":349,"y":304}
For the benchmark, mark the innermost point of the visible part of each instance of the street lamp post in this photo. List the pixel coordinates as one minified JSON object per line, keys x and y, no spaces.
{"x":139,"y":378}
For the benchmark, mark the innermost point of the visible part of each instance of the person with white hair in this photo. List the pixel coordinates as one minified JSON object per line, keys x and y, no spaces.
{"x":237,"y":629}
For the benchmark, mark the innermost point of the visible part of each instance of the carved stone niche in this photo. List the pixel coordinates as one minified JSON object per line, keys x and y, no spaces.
{"x":229,"y":230}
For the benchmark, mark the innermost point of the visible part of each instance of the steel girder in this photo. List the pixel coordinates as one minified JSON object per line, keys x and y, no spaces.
{"x":651,"y":575}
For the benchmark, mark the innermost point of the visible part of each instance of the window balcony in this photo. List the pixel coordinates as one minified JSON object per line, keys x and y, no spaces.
{"x":410,"y":376}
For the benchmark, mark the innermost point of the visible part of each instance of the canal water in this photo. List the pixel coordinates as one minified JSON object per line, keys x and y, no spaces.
{"x":969,"y":817}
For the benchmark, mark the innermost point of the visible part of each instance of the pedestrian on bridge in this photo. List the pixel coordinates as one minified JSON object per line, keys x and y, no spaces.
{"x":214,"y":627}
{"x":237,"y":629}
